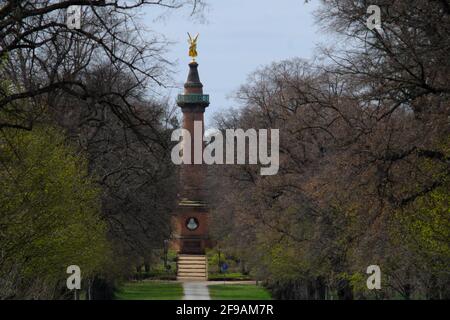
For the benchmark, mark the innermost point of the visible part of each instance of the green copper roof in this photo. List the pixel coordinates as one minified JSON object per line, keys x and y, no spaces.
{"x":193,"y":98}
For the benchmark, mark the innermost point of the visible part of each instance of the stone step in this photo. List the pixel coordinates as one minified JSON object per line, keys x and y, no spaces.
{"x":191,"y":274}
{"x":183,"y":257}
{"x":191,"y":262}
{"x":190,"y":267}
{"x":192,"y":278}
{"x":191,"y":271}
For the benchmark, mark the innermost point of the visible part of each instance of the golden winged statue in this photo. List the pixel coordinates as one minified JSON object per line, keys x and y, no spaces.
{"x":192,"y":46}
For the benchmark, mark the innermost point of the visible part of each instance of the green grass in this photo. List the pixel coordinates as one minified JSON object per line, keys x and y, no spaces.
{"x":238,"y":292}
{"x":228,"y":276}
{"x":150,"y":290}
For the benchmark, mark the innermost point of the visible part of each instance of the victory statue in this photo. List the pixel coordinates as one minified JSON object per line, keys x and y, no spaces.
{"x":192,"y":46}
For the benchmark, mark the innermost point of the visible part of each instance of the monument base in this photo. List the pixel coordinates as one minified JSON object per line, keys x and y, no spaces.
{"x":190,"y":228}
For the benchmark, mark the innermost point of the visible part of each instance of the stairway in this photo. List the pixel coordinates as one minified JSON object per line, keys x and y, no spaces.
{"x":192,"y":267}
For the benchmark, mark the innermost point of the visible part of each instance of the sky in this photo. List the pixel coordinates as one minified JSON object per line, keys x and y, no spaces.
{"x":236,"y":38}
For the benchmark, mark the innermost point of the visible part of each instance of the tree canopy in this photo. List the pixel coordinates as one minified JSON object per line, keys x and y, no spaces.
{"x":50,"y":214}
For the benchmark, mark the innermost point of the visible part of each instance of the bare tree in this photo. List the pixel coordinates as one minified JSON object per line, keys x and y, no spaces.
{"x":41,"y":55}
{"x":364,"y":161}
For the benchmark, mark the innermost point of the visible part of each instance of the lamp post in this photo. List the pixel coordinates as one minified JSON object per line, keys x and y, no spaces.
{"x":219,"y":264}
{"x":166,"y":249}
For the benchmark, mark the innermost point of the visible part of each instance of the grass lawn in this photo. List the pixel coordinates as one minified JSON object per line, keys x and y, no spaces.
{"x":238,"y":292}
{"x":228,"y":276}
{"x":150,"y":290}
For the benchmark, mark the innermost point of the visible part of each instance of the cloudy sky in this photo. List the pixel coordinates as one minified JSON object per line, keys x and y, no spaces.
{"x":236,"y":38}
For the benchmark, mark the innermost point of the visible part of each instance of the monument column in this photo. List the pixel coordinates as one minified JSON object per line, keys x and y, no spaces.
{"x":190,"y":235}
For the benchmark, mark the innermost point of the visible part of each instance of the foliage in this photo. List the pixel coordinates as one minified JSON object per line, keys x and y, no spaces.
{"x":50,"y":214}
{"x":364,"y":161}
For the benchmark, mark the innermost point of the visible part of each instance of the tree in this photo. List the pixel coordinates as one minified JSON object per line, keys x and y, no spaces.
{"x":363,"y":160}
{"x":50,"y":215}
{"x":44,"y":57}
{"x":94,"y":82}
